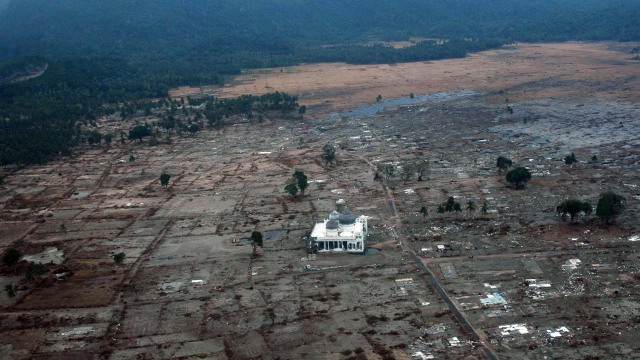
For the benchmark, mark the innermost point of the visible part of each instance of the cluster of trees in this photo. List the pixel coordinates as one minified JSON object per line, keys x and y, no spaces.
{"x":44,"y":117}
{"x":609,"y":206}
{"x":217,"y":109}
{"x":518,"y":176}
{"x":47,"y":116}
{"x":10,"y":259}
{"x":450,"y":205}
{"x":406,"y":172}
{"x":229,"y":32}
{"x":573,"y":207}
{"x":380,"y":53}
{"x":297,"y":183}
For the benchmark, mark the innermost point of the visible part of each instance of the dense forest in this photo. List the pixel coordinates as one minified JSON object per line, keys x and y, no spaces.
{"x":94,"y":53}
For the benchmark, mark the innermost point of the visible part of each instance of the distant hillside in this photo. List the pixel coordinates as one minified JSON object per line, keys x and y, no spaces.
{"x":167,"y":28}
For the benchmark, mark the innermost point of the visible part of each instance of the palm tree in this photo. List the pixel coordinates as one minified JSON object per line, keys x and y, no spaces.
{"x":471,"y":206}
{"x":424,"y":211}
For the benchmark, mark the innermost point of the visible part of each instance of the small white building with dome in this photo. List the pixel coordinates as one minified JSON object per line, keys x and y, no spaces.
{"x":341,"y":232}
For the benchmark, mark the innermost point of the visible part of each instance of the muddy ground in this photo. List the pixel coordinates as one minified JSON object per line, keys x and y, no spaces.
{"x":190,"y":288}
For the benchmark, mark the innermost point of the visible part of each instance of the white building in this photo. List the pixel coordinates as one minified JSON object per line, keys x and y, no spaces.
{"x":341,"y":232}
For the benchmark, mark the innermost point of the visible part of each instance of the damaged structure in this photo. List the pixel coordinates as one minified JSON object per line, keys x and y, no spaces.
{"x":341,"y":232}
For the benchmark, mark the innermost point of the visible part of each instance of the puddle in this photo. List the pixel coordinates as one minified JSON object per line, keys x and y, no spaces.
{"x":162,"y":259}
{"x":371,"y":251}
{"x":79,"y":194}
{"x":373,"y":109}
{"x":274,"y":234}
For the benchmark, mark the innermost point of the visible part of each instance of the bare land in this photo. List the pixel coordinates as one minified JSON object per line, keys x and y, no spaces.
{"x":528,"y":71}
{"x":189,"y":288}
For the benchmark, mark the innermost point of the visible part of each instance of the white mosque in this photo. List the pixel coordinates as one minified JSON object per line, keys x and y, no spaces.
{"x":341,"y":232}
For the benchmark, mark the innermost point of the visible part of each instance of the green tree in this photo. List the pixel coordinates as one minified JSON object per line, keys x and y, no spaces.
{"x":164,"y":179}
{"x":407,"y":172}
{"x":291,"y":186}
{"x":139,"y":131}
{"x":108,"y":138}
{"x":329,"y":154}
{"x":450,"y":205}
{"x":256,"y":240}
{"x":388,"y":170}
{"x":301,"y":181}
{"x":194,"y":128}
{"x":118,"y":258}
{"x":573,"y":207}
{"x":10,"y":290}
{"x":485,"y":208}
{"x":609,"y":206}
{"x":518,"y":177}
{"x":471,"y":206}
{"x":378,"y":98}
{"x":94,"y":137}
{"x":34,"y":269}
{"x":424,"y":211}
{"x":503,"y":163}
{"x":11,"y":257}
{"x":302,"y":110}
{"x":570,"y":159}
{"x":421,"y":168}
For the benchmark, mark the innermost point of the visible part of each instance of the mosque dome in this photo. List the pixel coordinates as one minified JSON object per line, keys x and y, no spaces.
{"x":332,"y":224}
{"x":347,"y":217}
{"x":335,"y":215}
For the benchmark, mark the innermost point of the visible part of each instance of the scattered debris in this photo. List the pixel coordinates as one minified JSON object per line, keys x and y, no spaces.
{"x":571,"y":264}
{"x":493,"y":299}
{"x":435,"y":329}
{"x":79,"y":331}
{"x":513,"y":329}
{"x":171,"y":286}
{"x":50,"y":255}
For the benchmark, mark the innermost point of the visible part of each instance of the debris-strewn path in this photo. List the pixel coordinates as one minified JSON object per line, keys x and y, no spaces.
{"x":428,"y":275}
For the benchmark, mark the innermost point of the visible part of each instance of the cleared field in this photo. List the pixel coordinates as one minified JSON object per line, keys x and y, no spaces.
{"x":527,"y":71}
